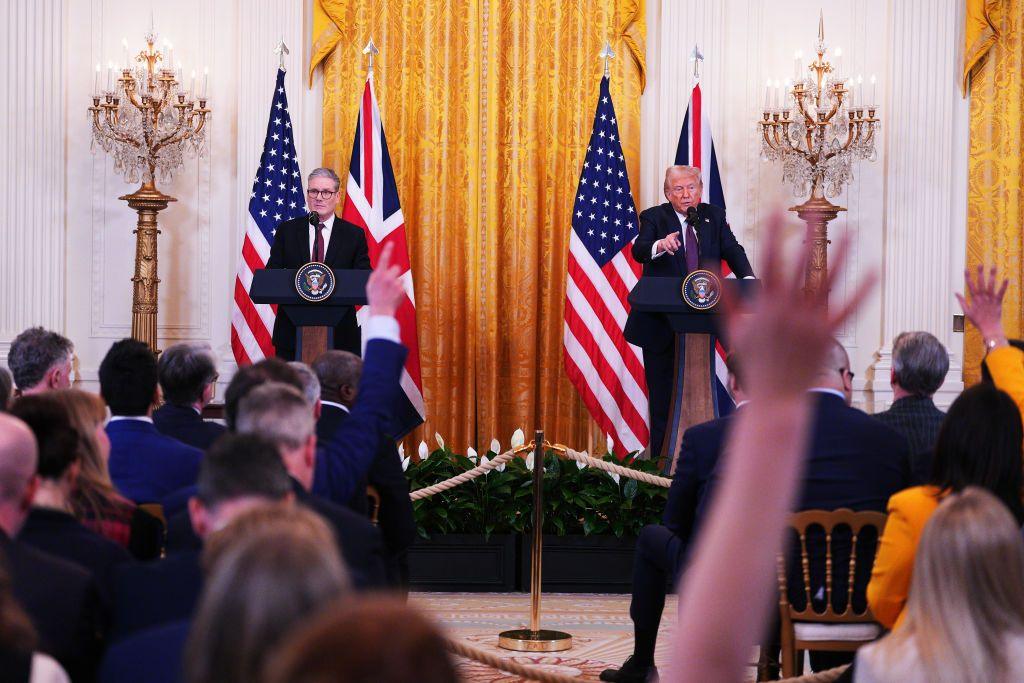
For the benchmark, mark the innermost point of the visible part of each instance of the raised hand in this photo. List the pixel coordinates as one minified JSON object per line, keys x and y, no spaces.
{"x":671,"y":242}
{"x":384,"y":290}
{"x":985,"y":309}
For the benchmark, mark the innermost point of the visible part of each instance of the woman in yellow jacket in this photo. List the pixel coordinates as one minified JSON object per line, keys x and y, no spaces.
{"x":979,"y":444}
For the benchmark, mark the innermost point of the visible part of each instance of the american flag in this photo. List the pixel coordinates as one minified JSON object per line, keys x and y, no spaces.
{"x":371,"y":202}
{"x":696,"y":148}
{"x":276,"y":196}
{"x":606,"y":370}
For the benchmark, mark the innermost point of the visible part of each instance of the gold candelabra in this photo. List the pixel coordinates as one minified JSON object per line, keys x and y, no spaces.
{"x":147,"y":122}
{"x":817,"y":127}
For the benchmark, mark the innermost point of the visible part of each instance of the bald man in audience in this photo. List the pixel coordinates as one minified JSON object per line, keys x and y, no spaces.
{"x":41,"y":360}
{"x":59,"y":596}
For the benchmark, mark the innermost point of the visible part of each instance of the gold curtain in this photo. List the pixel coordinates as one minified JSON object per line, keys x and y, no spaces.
{"x":487,"y":106}
{"x":994,"y":73}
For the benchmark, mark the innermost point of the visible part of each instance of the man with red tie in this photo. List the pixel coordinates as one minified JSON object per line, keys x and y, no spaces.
{"x":319,"y":236}
{"x":675,"y":239}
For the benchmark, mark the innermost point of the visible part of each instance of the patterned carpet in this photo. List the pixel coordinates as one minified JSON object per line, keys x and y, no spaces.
{"x":600,"y":626}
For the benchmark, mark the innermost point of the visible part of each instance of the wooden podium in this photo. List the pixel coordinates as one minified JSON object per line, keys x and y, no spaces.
{"x":314,"y":322}
{"x":694,"y":394}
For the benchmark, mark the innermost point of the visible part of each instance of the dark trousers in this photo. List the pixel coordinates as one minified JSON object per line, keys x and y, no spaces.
{"x":658,"y":558}
{"x":659,"y":371}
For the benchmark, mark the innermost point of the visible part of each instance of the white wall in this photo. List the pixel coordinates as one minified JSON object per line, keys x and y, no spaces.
{"x":906,"y":211}
{"x":66,"y":243}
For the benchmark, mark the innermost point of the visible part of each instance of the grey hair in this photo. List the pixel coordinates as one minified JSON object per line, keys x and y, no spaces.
{"x":277,"y":412}
{"x":323,"y":172}
{"x":684,"y":170}
{"x":336,"y":369}
{"x":919,"y":362}
{"x":310,"y":382}
{"x":184,"y":371}
{"x":34,"y":352}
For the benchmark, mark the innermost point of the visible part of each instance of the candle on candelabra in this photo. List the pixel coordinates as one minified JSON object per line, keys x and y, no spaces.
{"x":874,"y":100}
{"x":778,"y":96}
{"x":96,"y":79}
{"x":170,"y":55}
{"x":206,"y":80}
{"x":768,"y":94}
{"x":786,"y":87}
{"x":127,"y":62}
{"x":110,"y":76}
{"x":797,"y":58}
{"x":192,"y":86}
{"x":838,"y":69}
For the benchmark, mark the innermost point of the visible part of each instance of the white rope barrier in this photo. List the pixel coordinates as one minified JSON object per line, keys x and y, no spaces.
{"x":462,"y":478}
{"x":531,"y":673}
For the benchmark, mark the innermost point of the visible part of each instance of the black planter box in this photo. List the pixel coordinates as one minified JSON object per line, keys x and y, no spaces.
{"x":465,"y":563}
{"x":581,"y":564}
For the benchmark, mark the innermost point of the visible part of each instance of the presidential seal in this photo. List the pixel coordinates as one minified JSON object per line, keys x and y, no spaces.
{"x":702,"y":289}
{"x":314,"y":281}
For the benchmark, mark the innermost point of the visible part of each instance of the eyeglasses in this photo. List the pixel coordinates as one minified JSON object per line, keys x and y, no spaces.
{"x":321,"y":194}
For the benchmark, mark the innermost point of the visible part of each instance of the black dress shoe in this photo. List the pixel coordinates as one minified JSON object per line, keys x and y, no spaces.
{"x":631,"y":673}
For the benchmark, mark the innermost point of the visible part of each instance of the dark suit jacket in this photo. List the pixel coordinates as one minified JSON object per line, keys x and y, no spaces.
{"x":395,"y":517}
{"x":63,"y":536}
{"x":360,"y":542}
{"x":155,"y":593}
{"x":147,"y":465}
{"x":854,"y":462}
{"x":153,"y":655}
{"x":343,"y":461}
{"x":919,"y":421}
{"x":715,"y":244}
{"x":187,"y":426}
{"x":292,"y":249}
{"x":62,"y":601}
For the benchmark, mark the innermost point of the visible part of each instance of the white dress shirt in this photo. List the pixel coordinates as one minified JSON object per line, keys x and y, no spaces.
{"x":328,"y":227}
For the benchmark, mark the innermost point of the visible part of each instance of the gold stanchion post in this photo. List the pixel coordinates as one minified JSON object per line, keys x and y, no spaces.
{"x":536,"y":639}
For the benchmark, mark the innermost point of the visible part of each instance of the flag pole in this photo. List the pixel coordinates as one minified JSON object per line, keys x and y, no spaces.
{"x":371,"y":50}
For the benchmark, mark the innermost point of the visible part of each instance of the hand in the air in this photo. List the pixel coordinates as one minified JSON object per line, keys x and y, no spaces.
{"x":384,"y":290}
{"x":985,"y":309}
{"x":670,"y":242}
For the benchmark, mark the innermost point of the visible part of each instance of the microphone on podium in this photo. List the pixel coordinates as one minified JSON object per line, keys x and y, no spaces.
{"x":691,"y":216}
{"x":314,"y":218}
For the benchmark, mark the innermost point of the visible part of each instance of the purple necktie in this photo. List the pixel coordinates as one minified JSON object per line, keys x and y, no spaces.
{"x":318,"y":244}
{"x":691,"y":249}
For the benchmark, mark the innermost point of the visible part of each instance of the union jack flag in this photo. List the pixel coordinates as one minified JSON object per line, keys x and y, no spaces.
{"x":696,"y":148}
{"x":371,"y":202}
{"x":606,"y":370}
{"x":276,"y":196}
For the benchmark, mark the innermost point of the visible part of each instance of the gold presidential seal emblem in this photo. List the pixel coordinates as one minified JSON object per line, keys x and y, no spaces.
{"x":314,"y":281}
{"x":702,"y":289}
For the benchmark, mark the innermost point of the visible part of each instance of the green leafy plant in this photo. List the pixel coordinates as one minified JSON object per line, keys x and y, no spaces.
{"x":577,"y":500}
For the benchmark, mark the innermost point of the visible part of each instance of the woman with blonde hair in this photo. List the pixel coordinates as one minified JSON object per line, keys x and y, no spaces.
{"x":96,"y":503}
{"x":965,"y":612}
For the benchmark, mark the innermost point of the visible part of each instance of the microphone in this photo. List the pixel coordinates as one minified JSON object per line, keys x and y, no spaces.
{"x":314,"y":218}
{"x":691,"y":216}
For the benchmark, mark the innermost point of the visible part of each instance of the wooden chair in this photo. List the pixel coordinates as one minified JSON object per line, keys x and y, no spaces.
{"x":811,"y":629}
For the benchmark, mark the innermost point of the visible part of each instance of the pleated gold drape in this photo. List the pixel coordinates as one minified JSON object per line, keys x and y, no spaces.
{"x":994,"y":73}
{"x":487,"y":107}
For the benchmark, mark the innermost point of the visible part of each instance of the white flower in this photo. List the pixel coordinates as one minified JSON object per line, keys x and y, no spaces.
{"x":401,"y":450}
{"x":471,"y":454}
{"x":580,"y":464}
{"x":439,"y":440}
{"x":483,"y":461}
{"x":423,"y":452}
{"x":529,"y":462}
{"x":501,"y":467}
{"x":405,"y":463}
{"x":518,"y":438}
{"x":608,"y":442}
{"x":495,"y":446}
{"x":614,"y":477}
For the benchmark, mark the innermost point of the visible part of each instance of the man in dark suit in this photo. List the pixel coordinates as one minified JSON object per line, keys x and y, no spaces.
{"x":324,"y":238}
{"x":675,"y":239}
{"x":145,"y":465}
{"x":338,"y":373}
{"x":188,"y":379}
{"x":60,"y":597}
{"x":855,"y":462}
{"x":919,"y":366}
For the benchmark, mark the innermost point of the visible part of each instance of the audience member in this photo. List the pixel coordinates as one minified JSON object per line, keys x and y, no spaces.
{"x":339,"y":374}
{"x":19,"y":663}
{"x":239,"y":472}
{"x":279,"y":413}
{"x":41,"y":360}
{"x":369,"y":640}
{"x":188,"y":378}
{"x":980,"y":444}
{"x":965,"y":614}
{"x":145,"y":465}
{"x":60,"y":597}
{"x":267,"y":576}
{"x":783,"y":338}
{"x":310,"y":385}
{"x":919,"y":366}
{"x":50,"y":525}
{"x":6,"y":388}
{"x":95,"y":501}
